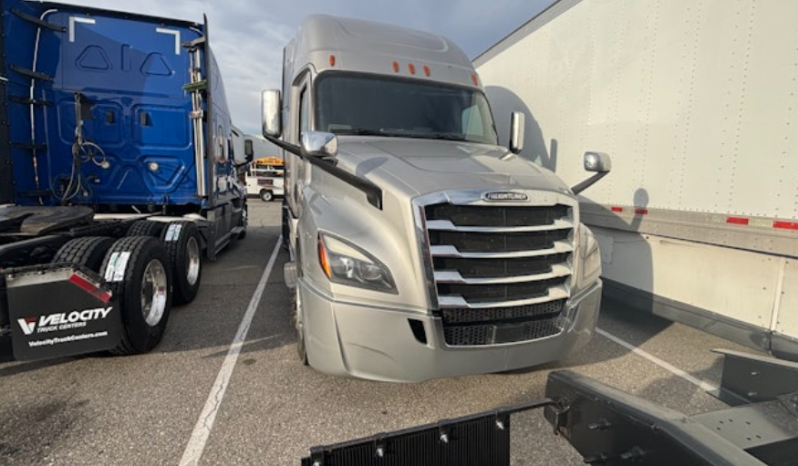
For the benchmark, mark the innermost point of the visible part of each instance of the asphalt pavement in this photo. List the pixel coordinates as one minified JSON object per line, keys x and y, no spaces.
{"x":148,"y":409}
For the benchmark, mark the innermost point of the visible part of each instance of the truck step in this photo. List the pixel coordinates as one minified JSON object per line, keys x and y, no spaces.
{"x":31,"y":73}
{"x":29,"y":146}
{"x":26,"y":101}
{"x":38,"y":22}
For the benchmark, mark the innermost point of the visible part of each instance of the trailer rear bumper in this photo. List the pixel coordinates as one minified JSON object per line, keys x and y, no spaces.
{"x":352,"y":340}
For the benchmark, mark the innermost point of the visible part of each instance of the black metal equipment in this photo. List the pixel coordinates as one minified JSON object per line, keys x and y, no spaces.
{"x":610,"y":427}
{"x":481,"y":439}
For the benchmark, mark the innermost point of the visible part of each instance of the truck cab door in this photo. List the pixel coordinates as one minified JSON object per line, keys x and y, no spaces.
{"x":297,"y":172}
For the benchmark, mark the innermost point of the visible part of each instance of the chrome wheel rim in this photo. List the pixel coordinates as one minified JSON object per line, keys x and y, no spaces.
{"x":192,"y":261}
{"x":153,"y":292}
{"x":300,"y":328}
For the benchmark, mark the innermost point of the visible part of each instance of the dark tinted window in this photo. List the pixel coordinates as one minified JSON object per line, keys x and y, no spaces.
{"x":374,"y":105}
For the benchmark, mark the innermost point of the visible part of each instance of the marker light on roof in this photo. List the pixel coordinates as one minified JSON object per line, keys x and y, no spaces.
{"x":426,"y":70}
{"x":412,"y":68}
{"x":332,"y":60}
{"x":395,"y":67}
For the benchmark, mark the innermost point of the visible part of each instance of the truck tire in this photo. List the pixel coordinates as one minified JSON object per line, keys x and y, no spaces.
{"x":244,"y":221}
{"x":145,"y":228}
{"x":137,"y":271}
{"x":182,"y":243}
{"x":88,"y":251}
{"x":298,"y":322}
{"x":266,"y":195}
{"x":285,"y":227}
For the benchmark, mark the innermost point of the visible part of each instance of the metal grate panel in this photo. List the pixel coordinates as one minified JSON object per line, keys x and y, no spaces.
{"x":500,"y":293}
{"x":481,"y":335}
{"x":470,"y":442}
{"x":499,"y":268}
{"x":493,"y":216}
{"x":498,"y":314}
{"x":498,"y":242}
{"x":501,"y":272}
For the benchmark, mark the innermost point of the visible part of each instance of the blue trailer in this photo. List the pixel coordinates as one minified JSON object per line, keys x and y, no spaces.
{"x":118,"y":174}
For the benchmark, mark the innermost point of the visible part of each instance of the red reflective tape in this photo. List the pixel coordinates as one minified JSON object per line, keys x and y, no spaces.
{"x":785,"y":225}
{"x":90,"y":288}
{"x":617,"y":209}
{"x":641,"y":211}
{"x":737,"y":220}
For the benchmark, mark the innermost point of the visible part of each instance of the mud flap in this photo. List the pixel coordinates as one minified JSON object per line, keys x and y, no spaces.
{"x":60,"y":310}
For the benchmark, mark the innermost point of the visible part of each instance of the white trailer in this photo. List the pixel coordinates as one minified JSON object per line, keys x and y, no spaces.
{"x":697,"y":103}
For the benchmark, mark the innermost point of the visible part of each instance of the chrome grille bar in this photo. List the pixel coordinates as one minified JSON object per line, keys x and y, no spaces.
{"x":446,"y":225}
{"x":453,"y":276}
{"x":451,"y":251}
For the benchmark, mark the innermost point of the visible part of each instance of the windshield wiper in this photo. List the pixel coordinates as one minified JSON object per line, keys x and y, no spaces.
{"x":444,"y":136}
{"x":359,"y":132}
{"x":371,"y":132}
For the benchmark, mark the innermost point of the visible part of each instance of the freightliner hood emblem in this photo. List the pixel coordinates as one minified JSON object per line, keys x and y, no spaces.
{"x":508,"y":196}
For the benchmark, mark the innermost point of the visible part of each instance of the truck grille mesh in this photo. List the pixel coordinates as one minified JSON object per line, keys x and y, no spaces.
{"x":502,"y":273}
{"x":500,"y":293}
{"x":480,"y":335}
{"x":508,"y":242}
{"x":502,"y":314}
{"x":500,"y":268}
{"x":495,"y":216}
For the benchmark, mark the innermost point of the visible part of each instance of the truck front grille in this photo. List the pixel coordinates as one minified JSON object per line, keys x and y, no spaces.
{"x":501,"y":273}
{"x":480,"y":335}
{"x":511,"y":314}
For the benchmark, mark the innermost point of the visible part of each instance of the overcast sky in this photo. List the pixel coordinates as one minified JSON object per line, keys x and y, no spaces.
{"x":248,"y":36}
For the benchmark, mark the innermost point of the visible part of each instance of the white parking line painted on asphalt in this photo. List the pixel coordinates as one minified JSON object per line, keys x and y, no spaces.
{"x":202,"y":430}
{"x":706,"y":386}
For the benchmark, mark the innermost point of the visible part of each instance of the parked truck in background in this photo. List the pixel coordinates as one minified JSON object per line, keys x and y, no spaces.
{"x":696,"y":101}
{"x":419,"y":247}
{"x":265,"y":176}
{"x":117,"y":174}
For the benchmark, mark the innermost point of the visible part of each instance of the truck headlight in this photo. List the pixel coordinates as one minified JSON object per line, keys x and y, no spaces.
{"x":587,"y":265}
{"x":347,"y":264}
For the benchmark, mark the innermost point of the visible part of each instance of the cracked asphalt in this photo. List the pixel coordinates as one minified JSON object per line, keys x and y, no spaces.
{"x":101,"y":410}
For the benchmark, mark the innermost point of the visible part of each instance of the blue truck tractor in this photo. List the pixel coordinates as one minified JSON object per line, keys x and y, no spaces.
{"x":118,"y":175}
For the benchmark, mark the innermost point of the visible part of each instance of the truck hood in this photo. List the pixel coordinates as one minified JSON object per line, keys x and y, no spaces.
{"x":422,"y":166}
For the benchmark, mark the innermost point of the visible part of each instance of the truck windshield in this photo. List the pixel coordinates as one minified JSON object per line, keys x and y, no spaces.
{"x":380,"y":106}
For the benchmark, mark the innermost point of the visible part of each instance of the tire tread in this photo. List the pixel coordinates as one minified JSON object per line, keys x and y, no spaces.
{"x":136,"y":245}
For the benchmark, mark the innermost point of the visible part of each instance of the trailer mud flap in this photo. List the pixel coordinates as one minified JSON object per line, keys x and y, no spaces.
{"x":59,"y":310}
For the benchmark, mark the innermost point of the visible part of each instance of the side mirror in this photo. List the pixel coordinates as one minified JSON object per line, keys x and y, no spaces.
{"x":597,"y":162}
{"x":320,"y":144}
{"x":249,"y":151}
{"x":516,"y":132}
{"x":270,"y":113}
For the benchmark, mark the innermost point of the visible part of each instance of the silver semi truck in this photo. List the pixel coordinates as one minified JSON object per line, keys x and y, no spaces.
{"x":420,"y":247}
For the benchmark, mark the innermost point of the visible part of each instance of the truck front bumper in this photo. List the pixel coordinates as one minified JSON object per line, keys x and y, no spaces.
{"x":352,"y":340}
